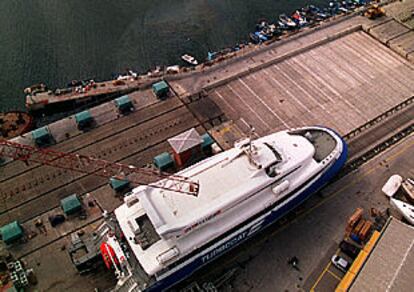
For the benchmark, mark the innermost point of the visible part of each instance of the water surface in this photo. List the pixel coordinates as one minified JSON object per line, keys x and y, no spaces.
{"x":56,"y":41}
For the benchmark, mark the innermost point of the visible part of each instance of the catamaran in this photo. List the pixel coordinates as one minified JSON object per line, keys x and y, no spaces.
{"x":160,"y":237}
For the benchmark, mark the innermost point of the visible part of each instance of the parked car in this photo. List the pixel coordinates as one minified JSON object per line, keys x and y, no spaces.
{"x":340,"y":263}
{"x":349,"y":249}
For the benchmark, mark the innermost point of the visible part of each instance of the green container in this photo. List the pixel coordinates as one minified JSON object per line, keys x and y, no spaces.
{"x":207,"y":143}
{"x":118,"y":184}
{"x":41,"y":136}
{"x":83,"y":119}
{"x":11,"y":232}
{"x":11,"y":289}
{"x":160,"y":88}
{"x":163,"y":161}
{"x":71,"y":204}
{"x":123,"y":103}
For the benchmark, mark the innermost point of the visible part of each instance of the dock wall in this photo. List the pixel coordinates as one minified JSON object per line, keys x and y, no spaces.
{"x":259,"y":50}
{"x":285,"y":56}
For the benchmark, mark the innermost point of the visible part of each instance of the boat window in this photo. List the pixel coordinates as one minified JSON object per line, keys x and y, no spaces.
{"x":146,"y":234}
{"x":271,"y":170}
{"x":274,"y":151}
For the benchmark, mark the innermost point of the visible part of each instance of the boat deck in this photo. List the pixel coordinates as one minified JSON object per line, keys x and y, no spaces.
{"x":103,"y":89}
{"x":315,"y":232}
{"x":324,"y":144}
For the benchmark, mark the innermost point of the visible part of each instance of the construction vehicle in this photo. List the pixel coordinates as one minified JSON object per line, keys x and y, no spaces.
{"x":358,"y":228}
{"x":374,"y":11}
{"x":349,"y":249}
{"x":90,"y":165}
{"x":353,"y":220}
{"x":365,"y":231}
{"x":380,"y":217}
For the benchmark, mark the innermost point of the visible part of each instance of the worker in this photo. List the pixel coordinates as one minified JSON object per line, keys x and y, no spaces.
{"x":294,"y":261}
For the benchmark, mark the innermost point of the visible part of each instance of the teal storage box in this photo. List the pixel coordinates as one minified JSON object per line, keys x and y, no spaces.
{"x":71,"y":204}
{"x":163,"y":161}
{"x":83,"y":119}
{"x":118,"y":184}
{"x":207,"y":143}
{"x":41,"y":136}
{"x":124,"y":103}
{"x":160,"y":89}
{"x":11,"y":232}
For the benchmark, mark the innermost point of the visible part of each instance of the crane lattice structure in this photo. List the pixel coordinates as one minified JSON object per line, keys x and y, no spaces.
{"x":90,"y":165}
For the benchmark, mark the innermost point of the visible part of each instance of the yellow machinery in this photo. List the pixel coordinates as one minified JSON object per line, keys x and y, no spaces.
{"x":374,"y":11}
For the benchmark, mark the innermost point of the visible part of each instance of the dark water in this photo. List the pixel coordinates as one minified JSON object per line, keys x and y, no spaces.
{"x":55,"y":41}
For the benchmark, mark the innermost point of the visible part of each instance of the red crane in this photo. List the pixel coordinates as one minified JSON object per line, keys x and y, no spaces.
{"x":89,"y":165}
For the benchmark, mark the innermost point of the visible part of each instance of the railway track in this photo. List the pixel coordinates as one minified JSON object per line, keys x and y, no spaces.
{"x":25,"y":208}
{"x":379,"y":134}
{"x":13,"y":169}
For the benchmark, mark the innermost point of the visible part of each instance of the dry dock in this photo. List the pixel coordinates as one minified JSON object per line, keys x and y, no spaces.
{"x":344,"y":74}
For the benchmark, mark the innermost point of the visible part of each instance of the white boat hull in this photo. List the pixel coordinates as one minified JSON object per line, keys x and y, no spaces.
{"x":405,"y":209}
{"x":249,"y":228}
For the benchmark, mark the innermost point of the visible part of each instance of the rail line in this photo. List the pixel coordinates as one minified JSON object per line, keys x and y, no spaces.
{"x":379,"y":118}
{"x":379,"y":134}
{"x":116,"y":147}
{"x":84,"y":145}
{"x":97,"y":185}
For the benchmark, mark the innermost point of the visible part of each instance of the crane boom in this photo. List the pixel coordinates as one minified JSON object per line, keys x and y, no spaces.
{"x":90,"y":165}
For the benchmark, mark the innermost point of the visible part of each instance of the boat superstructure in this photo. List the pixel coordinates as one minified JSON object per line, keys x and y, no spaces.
{"x":168,"y":235}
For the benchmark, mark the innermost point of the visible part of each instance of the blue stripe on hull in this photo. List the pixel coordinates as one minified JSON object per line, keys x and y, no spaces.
{"x":190,"y":268}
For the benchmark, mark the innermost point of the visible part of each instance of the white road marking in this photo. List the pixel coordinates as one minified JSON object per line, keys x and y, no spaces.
{"x":344,"y":56}
{"x":224,"y":100}
{"x":400,"y":266}
{"x":312,"y":82}
{"x":338,"y":95}
{"x":249,"y":107}
{"x":300,"y":87}
{"x":287,"y":91}
{"x":261,"y":100}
